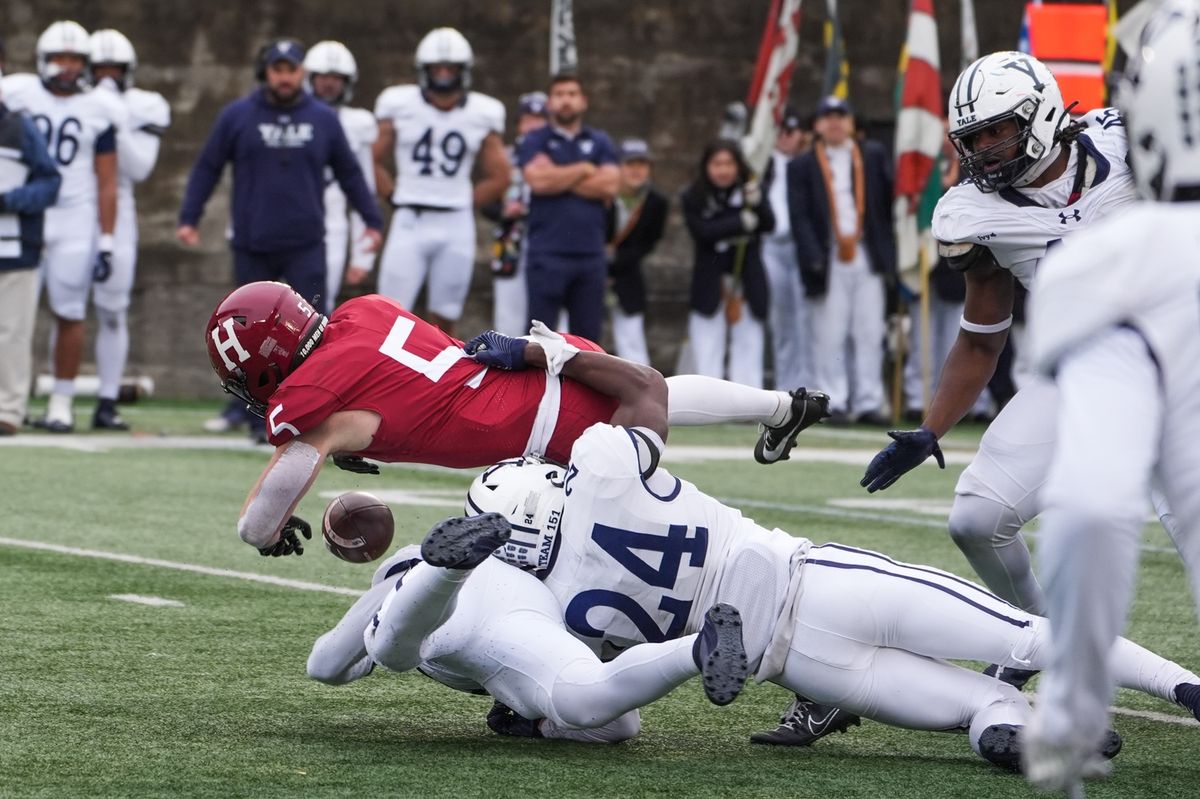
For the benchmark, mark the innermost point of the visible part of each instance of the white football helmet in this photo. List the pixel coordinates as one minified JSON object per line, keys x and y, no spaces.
{"x":64,"y":36}
{"x":109,"y":46}
{"x":1160,"y":95}
{"x":444,"y":46}
{"x":999,"y":87}
{"x":332,"y":58}
{"x":529,"y":493}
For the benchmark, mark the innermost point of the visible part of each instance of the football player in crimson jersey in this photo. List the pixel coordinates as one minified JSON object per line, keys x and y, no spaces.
{"x":378,"y":382}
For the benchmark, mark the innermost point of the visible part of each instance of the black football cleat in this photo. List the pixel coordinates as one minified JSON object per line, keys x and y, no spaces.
{"x":463,"y":542}
{"x":721,"y":655}
{"x":107,"y":418}
{"x":774,"y":443}
{"x":54,"y":425}
{"x":805,"y":722}
{"x":1017,"y":678}
{"x":1188,"y":695}
{"x":1000,"y":745}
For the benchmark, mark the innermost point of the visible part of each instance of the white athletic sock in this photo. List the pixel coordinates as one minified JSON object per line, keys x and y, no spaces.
{"x":59,"y":408}
{"x":64,"y":388}
{"x":112,"y":350}
{"x":699,"y":400}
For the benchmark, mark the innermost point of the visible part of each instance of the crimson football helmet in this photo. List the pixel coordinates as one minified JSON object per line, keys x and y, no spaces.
{"x":260,"y":334}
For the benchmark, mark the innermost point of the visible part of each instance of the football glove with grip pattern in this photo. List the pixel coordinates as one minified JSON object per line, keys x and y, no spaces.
{"x":289,"y":542}
{"x":496,"y":349}
{"x":909,"y":449}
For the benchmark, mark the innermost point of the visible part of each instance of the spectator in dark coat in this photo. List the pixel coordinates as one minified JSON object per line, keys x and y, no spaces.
{"x":840,"y":203}
{"x":29,"y":183}
{"x":726,"y":215}
{"x":636,"y":221}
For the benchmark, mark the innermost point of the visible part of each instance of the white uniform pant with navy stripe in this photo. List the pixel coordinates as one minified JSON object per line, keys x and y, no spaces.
{"x":872,"y":636}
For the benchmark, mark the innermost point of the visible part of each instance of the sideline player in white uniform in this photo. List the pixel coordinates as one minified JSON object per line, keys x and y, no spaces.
{"x":475,"y":624}
{"x":331,"y":75}
{"x":436,"y":131}
{"x":1034,"y":179}
{"x":113,"y":64}
{"x":634,"y":554}
{"x":1115,"y":319}
{"x":80,"y":127}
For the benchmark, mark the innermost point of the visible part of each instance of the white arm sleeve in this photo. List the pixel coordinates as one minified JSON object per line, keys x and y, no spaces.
{"x":340,"y":656}
{"x":280,"y":490}
{"x":137,"y":153}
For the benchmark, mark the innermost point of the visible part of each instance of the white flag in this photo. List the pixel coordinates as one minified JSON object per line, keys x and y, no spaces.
{"x":563,"y":56}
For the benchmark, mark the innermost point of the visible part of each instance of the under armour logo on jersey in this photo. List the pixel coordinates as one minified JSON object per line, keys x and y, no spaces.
{"x":1071,"y":217}
{"x":293,"y":135}
{"x":230,"y":343}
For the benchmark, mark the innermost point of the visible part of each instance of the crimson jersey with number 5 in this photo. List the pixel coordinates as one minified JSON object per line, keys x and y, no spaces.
{"x":435,"y":404}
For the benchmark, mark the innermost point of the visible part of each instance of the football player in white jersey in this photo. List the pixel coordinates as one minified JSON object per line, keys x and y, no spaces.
{"x":331,"y":72}
{"x":634,"y":555}
{"x":436,"y":131}
{"x":476,"y":624}
{"x":1034,"y":178}
{"x":80,"y":127}
{"x":1114,"y":320}
{"x":113,"y":64}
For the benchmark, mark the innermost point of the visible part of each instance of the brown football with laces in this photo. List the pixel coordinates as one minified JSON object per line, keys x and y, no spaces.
{"x":358,"y":527}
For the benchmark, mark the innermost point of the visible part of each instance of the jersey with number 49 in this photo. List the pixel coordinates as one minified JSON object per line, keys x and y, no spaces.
{"x":641,"y":559}
{"x":435,"y":404}
{"x":1019,"y":225}
{"x":76,"y":127}
{"x":435,"y":149}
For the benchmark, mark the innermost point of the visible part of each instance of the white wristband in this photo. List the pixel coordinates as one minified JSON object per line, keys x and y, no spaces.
{"x":972,"y":327}
{"x":106,"y":242}
{"x":557,"y":350}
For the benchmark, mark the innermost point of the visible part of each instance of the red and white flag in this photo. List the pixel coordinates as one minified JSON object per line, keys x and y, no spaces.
{"x":772,"y":80}
{"x":919,"y":129}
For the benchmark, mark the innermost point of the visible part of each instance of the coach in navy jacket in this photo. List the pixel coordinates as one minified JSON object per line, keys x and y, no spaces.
{"x":280,"y":142}
{"x":29,"y":183}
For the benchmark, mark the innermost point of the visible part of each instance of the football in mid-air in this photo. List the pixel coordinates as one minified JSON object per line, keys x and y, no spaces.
{"x":358,"y":527}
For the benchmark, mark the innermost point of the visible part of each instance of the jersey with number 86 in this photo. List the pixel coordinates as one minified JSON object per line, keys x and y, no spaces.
{"x":435,"y":404}
{"x":76,"y":127}
{"x":435,"y":149}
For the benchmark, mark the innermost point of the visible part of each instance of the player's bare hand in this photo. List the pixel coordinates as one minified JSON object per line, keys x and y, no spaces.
{"x":374,"y":239}
{"x":356,"y":275}
{"x":188,"y":235}
{"x":496,"y":349}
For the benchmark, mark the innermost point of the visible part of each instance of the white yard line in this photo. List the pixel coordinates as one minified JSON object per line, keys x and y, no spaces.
{"x":152,"y":601}
{"x":183,"y":567}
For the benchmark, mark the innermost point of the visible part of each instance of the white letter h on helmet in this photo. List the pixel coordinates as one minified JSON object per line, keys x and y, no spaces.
{"x":231,"y":343}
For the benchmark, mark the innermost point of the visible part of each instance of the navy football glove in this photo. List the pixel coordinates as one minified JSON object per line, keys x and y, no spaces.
{"x":289,"y":542}
{"x":356,"y":464}
{"x":102,"y":269}
{"x":907,"y":451}
{"x":503,"y":720}
{"x":496,"y":349}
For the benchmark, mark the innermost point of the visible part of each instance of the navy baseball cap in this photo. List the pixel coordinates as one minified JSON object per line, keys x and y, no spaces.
{"x":635,"y":150}
{"x":284,"y":50}
{"x":834,"y":105}
{"x":791,"y":120}
{"x":533,"y":103}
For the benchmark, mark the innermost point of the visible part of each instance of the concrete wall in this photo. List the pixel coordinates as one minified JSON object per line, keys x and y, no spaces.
{"x":660,"y":69}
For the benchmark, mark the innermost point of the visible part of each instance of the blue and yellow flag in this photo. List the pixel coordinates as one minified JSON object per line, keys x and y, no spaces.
{"x":837,"y":69}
